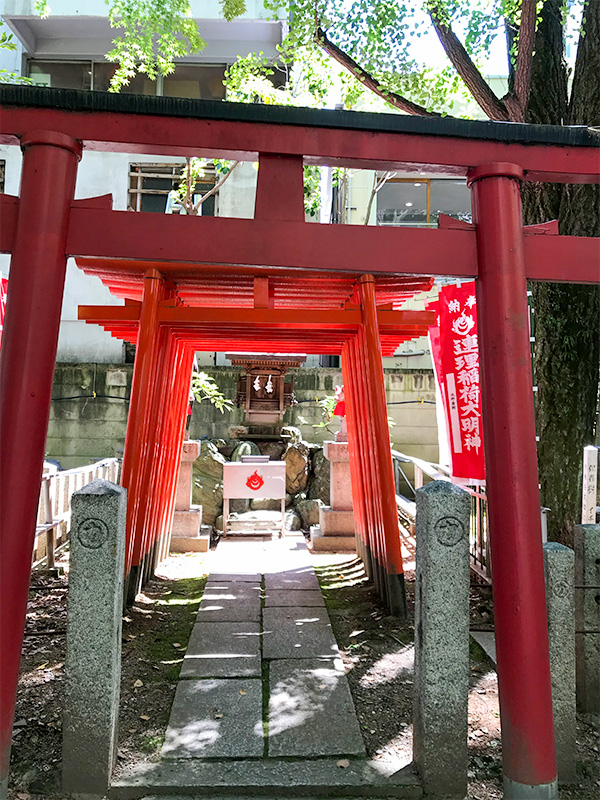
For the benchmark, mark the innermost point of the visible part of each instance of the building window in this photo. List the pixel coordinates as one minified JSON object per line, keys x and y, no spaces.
{"x":419,"y":202}
{"x":150,"y":187}
{"x":129,"y":352}
{"x":199,"y":81}
{"x":333,"y":362}
{"x":61,"y":74}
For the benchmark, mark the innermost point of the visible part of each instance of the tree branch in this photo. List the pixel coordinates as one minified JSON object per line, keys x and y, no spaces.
{"x":516,"y":101}
{"x":377,"y":184}
{"x":214,"y":190}
{"x":368,"y":80}
{"x":473,"y":79}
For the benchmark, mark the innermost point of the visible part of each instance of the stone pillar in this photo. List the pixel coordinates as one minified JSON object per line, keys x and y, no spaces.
{"x":186,"y":533}
{"x":559,"y":568}
{"x":442,"y":639}
{"x":587,"y":619}
{"x":93,"y":661}
{"x":335,"y":530}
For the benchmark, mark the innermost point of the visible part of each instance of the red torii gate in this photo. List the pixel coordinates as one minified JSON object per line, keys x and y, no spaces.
{"x":45,"y":225}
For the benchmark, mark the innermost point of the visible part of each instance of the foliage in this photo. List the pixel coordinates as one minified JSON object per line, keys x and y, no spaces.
{"x":7,"y":42}
{"x":327,"y":405}
{"x":155,"y":33}
{"x":205,"y":388}
{"x":309,"y":81}
{"x":193,"y":173}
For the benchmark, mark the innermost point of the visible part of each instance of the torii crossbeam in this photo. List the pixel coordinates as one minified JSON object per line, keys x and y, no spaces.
{"x":45,"y":225}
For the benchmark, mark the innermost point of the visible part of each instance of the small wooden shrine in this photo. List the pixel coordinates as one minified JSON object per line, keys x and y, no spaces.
{"x":262,"y":390}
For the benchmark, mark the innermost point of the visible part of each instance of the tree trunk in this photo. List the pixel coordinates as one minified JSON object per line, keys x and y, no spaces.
{"x":567,"y":347}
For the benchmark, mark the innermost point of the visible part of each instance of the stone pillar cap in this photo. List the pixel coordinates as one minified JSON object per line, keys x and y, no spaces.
{"x":101,"y":486}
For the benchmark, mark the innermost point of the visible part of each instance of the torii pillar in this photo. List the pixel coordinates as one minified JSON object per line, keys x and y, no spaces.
{"x":37,"y":277}
{"x":513,"y":489}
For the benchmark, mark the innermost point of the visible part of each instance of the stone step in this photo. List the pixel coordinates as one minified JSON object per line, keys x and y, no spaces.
{"x":241,"y":797}
{"x":331,"y":544}
{"x":245,"y":778}
{"x":191,"y":544}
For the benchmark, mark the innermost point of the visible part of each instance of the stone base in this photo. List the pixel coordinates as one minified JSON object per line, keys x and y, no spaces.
{"x":192,"y":544}
{"x":188,"y":535}
{"x":186,"y":524}
{"x":327,"y":543}
{"x":336,"y":523}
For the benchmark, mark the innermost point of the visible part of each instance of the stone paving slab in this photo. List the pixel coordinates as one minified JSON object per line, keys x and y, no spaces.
{"x":234,"y":588}
{"x":223,"y":650}
{"x":239,"y":602}
{"x":215,"y":719}
{"x":311,"y":712}
{"x":290,"y":640}
{"x":275,"y":615}
{"x":292,"y":579}
{"x":233,"y":577}
{"x":253,"y":778}
{"x":294,"y":597}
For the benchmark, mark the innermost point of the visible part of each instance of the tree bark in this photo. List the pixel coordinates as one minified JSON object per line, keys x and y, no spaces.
{"x":567,"y":347}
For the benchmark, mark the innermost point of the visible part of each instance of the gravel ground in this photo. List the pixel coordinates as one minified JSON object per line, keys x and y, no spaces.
{"x":378,"y":655}
{"x":376,"y":649}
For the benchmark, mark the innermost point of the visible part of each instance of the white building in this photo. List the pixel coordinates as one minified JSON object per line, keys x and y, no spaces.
{"x":66,"y":50}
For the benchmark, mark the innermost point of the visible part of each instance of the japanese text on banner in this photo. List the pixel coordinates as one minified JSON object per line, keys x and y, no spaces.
{"x":460,"y":371}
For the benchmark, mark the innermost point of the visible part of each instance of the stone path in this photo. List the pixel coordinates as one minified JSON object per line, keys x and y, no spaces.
{"x":262,"y":676}
{"x":263,"y":706}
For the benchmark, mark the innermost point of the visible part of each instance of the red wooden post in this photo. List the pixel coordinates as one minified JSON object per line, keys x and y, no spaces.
{"x":387,"y":489}
{"x":512,"y":486}
{"x":159,"y":488}
{"x":364,"y":439}
{"x":356,"y":478}
{"x":146,"y":496}
{"x":140,"y":408}
{"x":29,"y":341}
{"x":151,"y":488}
{"x":372,"y":482}
{"x":163,"y":482}
{"x":179,"y":400}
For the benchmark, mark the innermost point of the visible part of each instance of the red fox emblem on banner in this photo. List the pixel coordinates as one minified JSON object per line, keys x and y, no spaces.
{"x":255,"y":481}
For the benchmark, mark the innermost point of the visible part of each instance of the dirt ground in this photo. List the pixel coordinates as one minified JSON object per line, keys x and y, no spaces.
{"x":376,"y":650}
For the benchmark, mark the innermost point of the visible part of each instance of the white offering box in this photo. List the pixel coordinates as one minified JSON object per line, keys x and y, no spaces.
{"x":253,"y":478}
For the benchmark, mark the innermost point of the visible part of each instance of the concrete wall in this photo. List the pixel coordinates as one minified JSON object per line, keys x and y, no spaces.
{"x":87,"y":428}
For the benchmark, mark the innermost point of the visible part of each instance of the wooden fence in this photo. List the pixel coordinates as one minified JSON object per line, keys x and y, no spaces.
{"x":54,"y":510}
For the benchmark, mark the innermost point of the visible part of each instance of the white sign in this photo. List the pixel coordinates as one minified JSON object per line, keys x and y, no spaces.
{"x":254,"y":480}
{"x":590,"y":485}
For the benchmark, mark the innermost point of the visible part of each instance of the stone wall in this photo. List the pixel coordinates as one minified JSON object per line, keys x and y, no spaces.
{"x":88,"y":427}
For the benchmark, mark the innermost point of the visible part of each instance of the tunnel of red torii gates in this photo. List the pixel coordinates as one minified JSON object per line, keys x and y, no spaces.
{"x":276,"y":283}
{"x":286,"y":313}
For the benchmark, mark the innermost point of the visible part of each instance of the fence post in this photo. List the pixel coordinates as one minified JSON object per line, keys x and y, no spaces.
{"x":442,"y":639}
{"x":587,"y":619}
{"x":559,"y":568}
{"x":93,"y":661}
